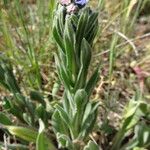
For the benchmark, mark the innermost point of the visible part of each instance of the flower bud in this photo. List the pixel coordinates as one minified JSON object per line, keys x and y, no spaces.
{"x":65,"y":2}
{"x":72,"y":8}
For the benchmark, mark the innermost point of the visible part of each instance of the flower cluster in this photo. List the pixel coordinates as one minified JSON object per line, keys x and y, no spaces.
{"x":73,"y":5}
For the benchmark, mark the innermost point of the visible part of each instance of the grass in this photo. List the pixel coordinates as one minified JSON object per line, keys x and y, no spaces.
{"x":27,"y":37}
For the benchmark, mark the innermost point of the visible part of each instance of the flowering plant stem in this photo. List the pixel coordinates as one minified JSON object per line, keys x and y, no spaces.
{"x":74,"y":33}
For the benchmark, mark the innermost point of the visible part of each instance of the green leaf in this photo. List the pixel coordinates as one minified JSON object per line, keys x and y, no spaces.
{"x":87,"y":112}
{"x":4,"y":119}
{"x":69,"y":41}
{"x":141,"y":137}
{"x":85,"y":58}
{"x":65,"y":78}
{"x":134,"y":111}
{"x":8,"y":104}
{"x":64,"y":115}
{"x":58,"y":29}
{"x":24,"y":133}
{"x":80,"y":33}
{"x":139,"y":148}
{"x":64,"y":141}
{"x":2,"y":78}
{"x":85,"y":53}
{"x":58,"y":124}
{"x":144,"y":108}
{"x":74,"y":20}
{"x":63,"y":74}
{"x":42,"y":142}
{"x":142,"y":134}
{"x":92,"y":34}
{"x":36,"y":96}
{"x":27,"y":118}
{"x":80,"y":99}
{"x":7,"y":78}
{"x":41,"y":112}
{"x":61,"y":19}
{"x":93,"y":18}
{"x":58,"y":39}
{"x":92,"y":27}
{"x":14,"y":146}
{"x":95,"y":105}
{"x":92,"y":82}
{"x":11,"y":82}
{"x":20,"y":99}
{"x":89,"y":119}
{"x":131,"y":109}
{"x":66,"y":102}
{"x":92,"y":146}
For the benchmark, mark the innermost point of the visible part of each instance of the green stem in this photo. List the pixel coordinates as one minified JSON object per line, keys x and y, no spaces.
{"x":117,"y":140}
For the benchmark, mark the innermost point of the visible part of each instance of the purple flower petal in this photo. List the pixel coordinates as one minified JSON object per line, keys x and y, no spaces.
{"x":81,"y":2}
{"x":64,"y":2}
{"x":71,"y":8}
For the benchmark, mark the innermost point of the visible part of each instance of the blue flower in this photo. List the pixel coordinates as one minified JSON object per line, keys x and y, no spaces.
{"x":81,"y":2}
